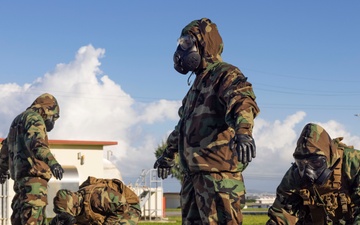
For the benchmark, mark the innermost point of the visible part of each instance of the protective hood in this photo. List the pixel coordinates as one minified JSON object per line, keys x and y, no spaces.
{"x":46,"y":105}
{"x":68,"y":201}
{"x":314,"y":140}
{"x":208,"y":40}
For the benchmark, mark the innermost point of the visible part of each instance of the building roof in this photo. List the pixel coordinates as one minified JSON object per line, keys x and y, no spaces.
{"x":79,"y":142}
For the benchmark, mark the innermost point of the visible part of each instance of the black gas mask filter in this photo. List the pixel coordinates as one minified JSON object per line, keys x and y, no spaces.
{"x":186,"y":57}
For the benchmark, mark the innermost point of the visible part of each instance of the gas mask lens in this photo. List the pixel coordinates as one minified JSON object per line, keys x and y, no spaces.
{"x":315,"y":162}
{"x":186,"y":42}
{"x":312,"y":166}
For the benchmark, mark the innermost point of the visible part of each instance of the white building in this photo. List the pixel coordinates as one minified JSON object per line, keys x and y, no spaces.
{"x":265,"y":200}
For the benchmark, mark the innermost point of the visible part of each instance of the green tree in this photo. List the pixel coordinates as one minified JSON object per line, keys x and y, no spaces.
{"x":176,"y":170}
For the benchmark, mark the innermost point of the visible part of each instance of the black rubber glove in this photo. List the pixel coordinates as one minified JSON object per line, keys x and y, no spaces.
{"x":63,"y":219}
{"x":57,"y":171}
{"x":4,"y":176}
{"x":163,"y":165}
{"x":245,"y":147}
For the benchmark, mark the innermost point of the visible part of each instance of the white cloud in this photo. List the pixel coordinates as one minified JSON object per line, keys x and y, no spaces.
{"x":160,"y":110}
{"x":336,"y":129}
{"x":94,"y":107}
{"x":276,"y":142}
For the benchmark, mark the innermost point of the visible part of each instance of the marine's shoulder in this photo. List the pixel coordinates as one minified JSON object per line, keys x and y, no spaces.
{"x":227,"y":69}
{"x":30,"y":114}
{"x":351,"y":152}
{"x":224,"y":65}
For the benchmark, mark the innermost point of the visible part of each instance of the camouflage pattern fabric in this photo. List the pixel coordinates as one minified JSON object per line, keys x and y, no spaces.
{"x":100,"y":201}
{"x":25,"y":152}
{"x":68,"y":201}
{"x":46,"y":105}
{"x":297,"y":203}
{"x":314,"y":140}
{"x":4,"y":157}
{"x":219,"y":104}
{"x":213,"y":198}
{"x":29,"y":202}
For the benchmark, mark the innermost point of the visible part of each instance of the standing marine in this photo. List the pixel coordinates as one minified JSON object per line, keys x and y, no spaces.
{"x":26,"y":154}
{"x":213,"y":137}
{"x":322,"y":186}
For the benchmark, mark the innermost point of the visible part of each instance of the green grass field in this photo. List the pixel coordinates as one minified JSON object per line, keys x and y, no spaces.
{"x":248,"y":219}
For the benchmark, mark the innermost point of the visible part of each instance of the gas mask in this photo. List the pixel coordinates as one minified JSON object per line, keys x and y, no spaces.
{"x":186,"y":57}
{"x":314,"y":169}
{"x":50,"y":122}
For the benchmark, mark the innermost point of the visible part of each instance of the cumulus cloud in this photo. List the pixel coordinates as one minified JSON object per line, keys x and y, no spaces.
{"x":94,"y":107}
{"x":335,"y":129}
{"x":276,"y":142}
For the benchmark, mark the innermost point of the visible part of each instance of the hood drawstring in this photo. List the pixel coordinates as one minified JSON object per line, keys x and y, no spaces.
{"x":188,"y":80}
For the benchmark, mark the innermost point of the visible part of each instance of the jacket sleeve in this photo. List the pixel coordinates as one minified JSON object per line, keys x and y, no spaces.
{"x":4,"y":157}
{"x":239,"y":98}
{"x":36,"y":139}
{"x":351,"y":167}
{"x":283,"y":210}
{"x":173,"y":139}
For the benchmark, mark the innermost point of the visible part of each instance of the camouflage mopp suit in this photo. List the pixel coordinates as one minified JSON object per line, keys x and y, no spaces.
{"x":336,"y":200}
{"x":219,"y":105}
{"x":98,"y":201}
{"x":26,"y":154}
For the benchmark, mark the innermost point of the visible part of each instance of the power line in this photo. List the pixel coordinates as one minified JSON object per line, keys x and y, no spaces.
{"x":148,"y":99}
{"x":304,"y":77}
{"x":302,"y":92}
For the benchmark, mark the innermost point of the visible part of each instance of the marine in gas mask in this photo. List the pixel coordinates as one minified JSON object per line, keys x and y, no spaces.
{"x":26,"y":156}
{"x":314,"y":157}
{"x":322,"y":186}
{"x":213,"y":137}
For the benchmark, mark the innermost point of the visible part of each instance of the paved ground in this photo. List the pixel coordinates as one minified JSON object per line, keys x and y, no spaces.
{"x":173,"y":213}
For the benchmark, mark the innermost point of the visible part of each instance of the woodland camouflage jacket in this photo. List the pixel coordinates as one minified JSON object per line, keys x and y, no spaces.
{"x":25,"y":151}
{"x":99,"y":201}
{"x":297,"y":203}
{"x":219,"y":104}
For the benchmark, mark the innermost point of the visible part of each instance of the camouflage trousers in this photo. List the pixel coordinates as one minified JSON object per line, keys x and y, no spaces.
{"x":29,"y":202}
{"x":212,"y":198}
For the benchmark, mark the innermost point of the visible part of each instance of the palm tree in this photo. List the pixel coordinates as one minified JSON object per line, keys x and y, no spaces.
{"x":175,"y":171}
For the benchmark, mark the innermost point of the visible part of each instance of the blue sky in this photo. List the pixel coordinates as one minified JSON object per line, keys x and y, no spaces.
{"x":110,"y":66}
